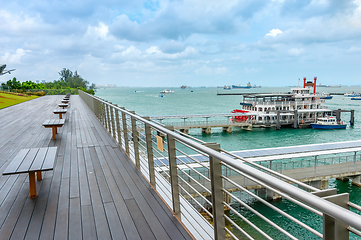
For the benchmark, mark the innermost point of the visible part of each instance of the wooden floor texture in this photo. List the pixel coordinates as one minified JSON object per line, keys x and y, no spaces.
{"x":94,"y":191}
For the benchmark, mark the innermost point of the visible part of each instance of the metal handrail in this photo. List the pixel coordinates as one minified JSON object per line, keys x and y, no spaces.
{"x":328,"y":208}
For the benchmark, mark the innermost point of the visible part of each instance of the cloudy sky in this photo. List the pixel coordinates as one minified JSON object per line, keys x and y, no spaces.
{"x":176,"y":42}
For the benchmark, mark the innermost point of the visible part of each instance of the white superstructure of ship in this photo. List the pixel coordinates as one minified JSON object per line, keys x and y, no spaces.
{"x":264,"y":108}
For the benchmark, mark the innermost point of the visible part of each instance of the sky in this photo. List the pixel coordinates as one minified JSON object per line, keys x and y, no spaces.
{"x":183,"y":42}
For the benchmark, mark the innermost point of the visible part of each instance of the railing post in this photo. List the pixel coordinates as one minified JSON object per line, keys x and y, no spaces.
{"x":118,"y":126}
{"x":217,"y":194}
{"x":102,"y":113}
{"x":108,"y":118}
{"x":125,"y":131}
{"x":135,"y":141}
{"x":334,"y":229}
{"x":148,"y":139}
{"x":173,"y":172}
{"x":112,"y":120}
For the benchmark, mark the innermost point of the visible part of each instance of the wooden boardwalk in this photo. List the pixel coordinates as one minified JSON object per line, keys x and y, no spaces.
{"x":94,"y":191}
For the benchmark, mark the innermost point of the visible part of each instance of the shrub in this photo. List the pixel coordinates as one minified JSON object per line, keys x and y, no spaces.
{"x":40,"y":93}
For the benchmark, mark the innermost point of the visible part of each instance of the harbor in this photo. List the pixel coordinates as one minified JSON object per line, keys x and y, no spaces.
{"x":302,"y":107}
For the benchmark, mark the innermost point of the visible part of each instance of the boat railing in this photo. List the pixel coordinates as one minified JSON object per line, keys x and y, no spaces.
{"x":199,"y":182}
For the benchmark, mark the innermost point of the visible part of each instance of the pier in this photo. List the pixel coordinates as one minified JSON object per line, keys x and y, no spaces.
{"x":94,"y":191}
{"x":106,"y":182}
{"x":227,"y":121}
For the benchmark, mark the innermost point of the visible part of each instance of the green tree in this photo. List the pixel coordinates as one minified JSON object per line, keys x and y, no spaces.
{"x":65,"y":74}
{"x":13,"y":84}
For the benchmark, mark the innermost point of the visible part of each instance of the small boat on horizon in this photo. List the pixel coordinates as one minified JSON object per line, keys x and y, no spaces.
{"x":356,"y":98}
{"x":167,"y":91}
{"x":328,"y":123}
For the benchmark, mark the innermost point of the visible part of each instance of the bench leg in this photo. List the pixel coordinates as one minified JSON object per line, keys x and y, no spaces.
{"x":60,"y":116}
{"x":39,"y":176}
{"x":32,"y":185}
{"x":54,"y":132}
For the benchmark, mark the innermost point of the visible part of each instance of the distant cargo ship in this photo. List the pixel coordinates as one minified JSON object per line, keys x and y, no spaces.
{"x":239,"y":86}
{"x":322,"y":85}
{"x":247,"y":86}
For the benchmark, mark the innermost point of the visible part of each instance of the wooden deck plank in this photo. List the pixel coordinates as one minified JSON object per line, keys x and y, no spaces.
{"x":88,"y":224}
{"x":75,"y":229}
{"x":89,"y":194}
{"x":62,"y":218}
{"x":102,"y":183}
{"x":141,"y":223}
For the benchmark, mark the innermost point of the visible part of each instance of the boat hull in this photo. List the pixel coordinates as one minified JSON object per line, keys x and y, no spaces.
{"x":323,"y":126}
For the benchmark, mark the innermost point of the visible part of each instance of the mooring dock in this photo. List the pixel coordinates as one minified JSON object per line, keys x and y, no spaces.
{"x":94,"y":191}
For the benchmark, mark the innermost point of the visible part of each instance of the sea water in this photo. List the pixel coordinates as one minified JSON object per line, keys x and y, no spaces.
{"x":147,"y":102}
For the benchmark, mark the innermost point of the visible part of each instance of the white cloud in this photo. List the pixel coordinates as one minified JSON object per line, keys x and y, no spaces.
{"x":153,"y":50}
{"x":274,"y":32}
{"x":354,"y":49}
{"x":99,"y":31}
{"x":295,"y":51}
{"x":13,"y":58}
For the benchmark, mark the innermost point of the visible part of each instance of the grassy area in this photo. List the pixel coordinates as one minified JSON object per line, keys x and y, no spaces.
{"x":7,"y":99}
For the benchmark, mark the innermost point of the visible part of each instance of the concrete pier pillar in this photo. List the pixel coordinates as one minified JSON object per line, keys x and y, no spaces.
{"x":324,"y":184}
{"x":352,"y":118}
{"x":261,"y":192}
{"x":272,"y":196}
{"x":295,"y":119}
{"x":278,"y":125}
{"x":227,"y":129}
{"x":356,"y":180}
{"x":206,"y":130}
{"x":316,"y":184}
{"x":320,"y":184}
{"x":184,"y":130}
{"x":226,"y":198}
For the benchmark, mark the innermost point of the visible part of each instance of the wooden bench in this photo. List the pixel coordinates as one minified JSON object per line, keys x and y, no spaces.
{"x":60,"y":112}
{"x":65,"y":100}
{"x":63,"y":105}
{"x":54,"y":124}
{"x":30,"y":161}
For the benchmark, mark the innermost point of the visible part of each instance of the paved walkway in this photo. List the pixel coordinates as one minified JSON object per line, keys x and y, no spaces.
{"x":94,"y":191}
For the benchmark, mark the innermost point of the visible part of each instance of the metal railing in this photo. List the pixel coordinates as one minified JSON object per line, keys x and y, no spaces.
{"x":197,"y":181}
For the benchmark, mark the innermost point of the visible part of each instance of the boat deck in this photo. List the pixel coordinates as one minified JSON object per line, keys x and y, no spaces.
{"x":94,"y":191}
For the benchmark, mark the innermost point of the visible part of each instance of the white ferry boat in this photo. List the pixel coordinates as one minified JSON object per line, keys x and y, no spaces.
{"x":267,"y":109}
{"x":167,"y":91}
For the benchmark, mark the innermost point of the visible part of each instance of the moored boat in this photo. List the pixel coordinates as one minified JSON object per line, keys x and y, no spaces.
{"x":325,"y":96}
{"x":356,"y":98}
{"x":328,"y":123}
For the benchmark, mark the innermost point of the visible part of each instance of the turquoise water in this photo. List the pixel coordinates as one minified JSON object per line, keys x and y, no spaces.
{"x":146,"y":102}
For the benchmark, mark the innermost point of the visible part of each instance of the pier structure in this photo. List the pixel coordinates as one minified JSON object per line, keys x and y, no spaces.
{"x":205,"y":122}
{"x":311,"y":164}
{"x":138,"y":136}
{"x":298,"y":118}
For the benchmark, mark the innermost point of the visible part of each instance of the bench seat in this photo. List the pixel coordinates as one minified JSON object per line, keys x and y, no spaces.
{"x":32,"y":160}
{"x":60,"y":111}
{"x":63,"y":105}
{"x":54,"y":124}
